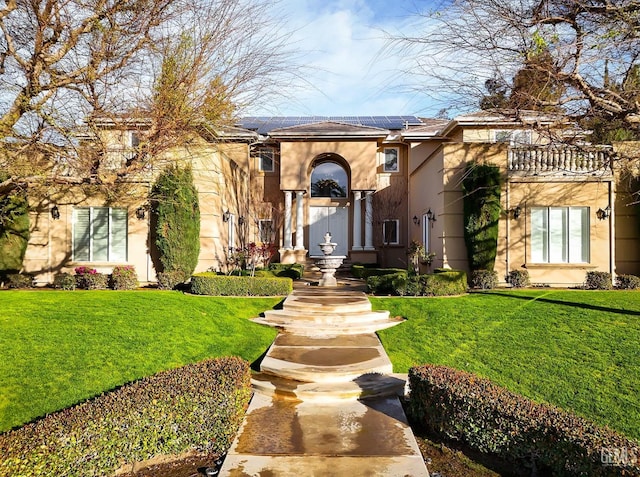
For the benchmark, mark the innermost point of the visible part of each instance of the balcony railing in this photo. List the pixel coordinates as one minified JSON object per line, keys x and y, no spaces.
{"x":559,"y":160}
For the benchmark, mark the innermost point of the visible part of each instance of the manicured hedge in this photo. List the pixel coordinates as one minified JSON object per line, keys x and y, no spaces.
{"x":444,"y":283}
{"x":598,"y":281}
{"x":290,"y":270}
{"x":357,"y":268}
{"x":197,"y":407}
{"x":459,"y":405}
{"x":360,"y":271}
{"x":484,"y":279}
{"x":210,"y":283}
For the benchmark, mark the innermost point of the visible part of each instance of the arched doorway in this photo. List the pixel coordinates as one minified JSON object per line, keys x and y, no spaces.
{"x":328,"y":211}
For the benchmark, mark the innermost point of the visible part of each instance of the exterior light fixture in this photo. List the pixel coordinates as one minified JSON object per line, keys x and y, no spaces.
{"x":604,"y":214}
{"x":241,"y":220}
{"x":226,"y":216}
{"x":55,"y":212}
{"x":431,"y":217}
{"x":516,"y":212}
{"x":416,"y":220}
{"x":140,"y":213}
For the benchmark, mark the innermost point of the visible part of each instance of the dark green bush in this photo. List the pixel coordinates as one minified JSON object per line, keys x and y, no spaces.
{"x":170,"y":280}
{"x":14,"y":229}
{"x":458,"y":405}
{"x":357,"y":269}
{"x":177,"y":221}
{"x":124,"y":277}
{"x":484,"y":279}
{"x":449,"y":283}
{"x":519,"y":278}
{"x":209,"y":283}
{"x":64,"y":281}
{"x":197,"y":407}
{"x":627,"y":282}
{"x":598,"y":281}
{"x":288,"y":270}
{"x":90,"y":279}
{"x":388,"y":284}
{"x":377,"y":272}
{"x":20,"y":280}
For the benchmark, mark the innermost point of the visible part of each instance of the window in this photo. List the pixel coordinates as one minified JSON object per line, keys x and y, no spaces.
{"x":560,"y":234}
{"x":514,"y":137}
{"x":390,"y":229}
{"x":329,"y":179}
{"x":265,"y":160}
{"x":99,"y":234}
{"x":265,"y":230}
{"x":390,"y":159}
{"x":134,"y":139}
{"x":426,"y":232}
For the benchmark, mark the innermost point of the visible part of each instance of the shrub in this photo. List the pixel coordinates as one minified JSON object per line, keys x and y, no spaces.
{"x":14,"y":229}
{"x":519,"y":278}
{"x":124,"y":277}
{"x":20,"y":280}
{"x":377,"y":272}
{"x":484,"y":279}
{"x":449,"y":283}
{"x":388,"y":284}
{"x":598,"y":281}
{"x":64,"y":281}
{"x":89,"y":279}
{"x":459,"y":405}
{"x":197,"y":407}
{"x":289,"y":270}
{"x":358,"y":268}
{"x":209,"y":283}
{"x":177,"y":215}
{"x":170,"y":280}
{"x":627,"y":282}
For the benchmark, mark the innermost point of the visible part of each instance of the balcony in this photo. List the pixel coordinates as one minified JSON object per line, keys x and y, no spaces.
{"x":560,"y":161}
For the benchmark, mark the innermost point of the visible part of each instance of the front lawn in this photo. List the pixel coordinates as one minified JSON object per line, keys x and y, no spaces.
{"x":579,"y":350}
{"x":58,"y":348}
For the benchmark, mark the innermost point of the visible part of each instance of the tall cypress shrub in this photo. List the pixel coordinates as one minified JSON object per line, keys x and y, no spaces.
{"x":481,"y":186}
{"x":14,"y":230}
{"x":177,"y":231}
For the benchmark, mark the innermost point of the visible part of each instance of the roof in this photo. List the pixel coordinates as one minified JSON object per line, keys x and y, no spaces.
{"x":328,"y":129}
{"x":266,"y":124}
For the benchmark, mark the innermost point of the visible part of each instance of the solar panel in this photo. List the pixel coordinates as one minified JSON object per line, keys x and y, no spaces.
{"x":265,"y":124}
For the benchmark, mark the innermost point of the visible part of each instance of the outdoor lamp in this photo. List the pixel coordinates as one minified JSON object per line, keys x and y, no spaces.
{"x":55,"y":212}
{"x":416,"y":220}
{"x":604,"y":214}
{"x":431,"y":217}
{"x":516,"y":211}
{"x":226,"y":216}
{"x":140,"y":213}
{"x":241,"y":220}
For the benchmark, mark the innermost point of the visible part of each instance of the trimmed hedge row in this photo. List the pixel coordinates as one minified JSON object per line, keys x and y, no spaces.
{"x":443,"y":283}
{"x":459,"y":405}
{"x":210,"y":283}
{"x":366,"y":271}
{"x":289,"y":270}
{"x":196,"y":407}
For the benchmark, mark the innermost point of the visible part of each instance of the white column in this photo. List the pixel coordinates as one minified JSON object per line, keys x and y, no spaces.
{"x":299,"y":221}
{"x":368,"y":220}
{"x":357,"y":220}
{"x":287,"y":220}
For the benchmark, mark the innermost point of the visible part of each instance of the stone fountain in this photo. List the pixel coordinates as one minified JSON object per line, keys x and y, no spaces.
{"x":328,"y":263}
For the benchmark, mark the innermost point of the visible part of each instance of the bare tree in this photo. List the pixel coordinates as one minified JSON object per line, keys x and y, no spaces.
{"x":589,"y":47}
{"x":388,"y":208}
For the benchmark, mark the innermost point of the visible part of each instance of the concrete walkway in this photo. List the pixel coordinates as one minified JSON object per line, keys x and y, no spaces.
{"x":326,"y":401}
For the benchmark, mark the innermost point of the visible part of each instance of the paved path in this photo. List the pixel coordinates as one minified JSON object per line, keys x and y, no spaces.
{"x":326,"y":401}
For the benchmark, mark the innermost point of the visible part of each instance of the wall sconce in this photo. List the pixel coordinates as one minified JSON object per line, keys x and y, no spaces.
{"x":431,"y":217}
{"x":416,"y":220}
{"x":226,"y":216}
{"x":515,"y":212}
{"x":55,"y":212}
{"x":241,"y":220}
{"x":140,"y":213}
{"x":604,"y":214}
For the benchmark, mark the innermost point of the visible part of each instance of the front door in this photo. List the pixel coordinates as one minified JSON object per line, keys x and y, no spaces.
{"x":328,"y":219}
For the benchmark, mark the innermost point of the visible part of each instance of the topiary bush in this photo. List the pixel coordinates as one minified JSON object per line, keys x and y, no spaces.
{"x":289,"y":270}
{"x":64,"y":281}
{"x":176,"y":213}
{"x":210,"y":283}
{"x":627,"y":282}
{"x":461,"y":406}
{"x":446,"y":283}
{"x":198,"y":407}
{"x":358,"y":268}
{"x":388,"y":283}
{"x":519,"y":278}
{"x":124,"y":277}
{"x":449,"y":283}
{"x":598,"y":281}
{"x":90,"y":279}
{"x":171,"y":280}
{"x":484,"y":279}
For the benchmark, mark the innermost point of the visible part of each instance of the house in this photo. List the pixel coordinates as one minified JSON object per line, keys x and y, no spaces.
{"x":376,"y":184}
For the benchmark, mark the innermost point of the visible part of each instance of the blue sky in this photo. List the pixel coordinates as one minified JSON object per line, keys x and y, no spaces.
{"x":342,"y":43}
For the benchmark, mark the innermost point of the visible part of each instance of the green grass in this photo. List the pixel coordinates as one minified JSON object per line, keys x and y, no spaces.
{"x":579,"y":350}
{"x":58,"y":348}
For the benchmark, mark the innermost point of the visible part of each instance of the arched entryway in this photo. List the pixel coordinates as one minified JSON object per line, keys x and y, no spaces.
{"x":328,"y":203}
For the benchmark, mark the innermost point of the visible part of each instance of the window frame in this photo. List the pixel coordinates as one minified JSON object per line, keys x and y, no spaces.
{"x":511,"y":137}
{"x":384,"y":159}
{"x":548,"y":231}
{"x":112,"y":254}
{"x":261,"y":230}
{"x":397,"y":232}
{"x":266,"y":151}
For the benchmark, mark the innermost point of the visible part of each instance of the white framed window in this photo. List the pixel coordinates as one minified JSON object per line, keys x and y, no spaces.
{"x":560,"y":234}
{"x":266,"y":160}
{"x":391,"y":232}
{"x":99,"y":234}
{"x":390,"y":157}
{"x":426,"y":232}
{"x":231,"y":231}
{"x":513,"y":137}
{"x":265,"y":230}
{"x":134,"y":139}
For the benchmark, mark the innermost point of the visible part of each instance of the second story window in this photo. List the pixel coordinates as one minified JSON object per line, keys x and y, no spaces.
{"x":390,"y":157}
{"x":266,"y":160}
{"x":134,"y":139}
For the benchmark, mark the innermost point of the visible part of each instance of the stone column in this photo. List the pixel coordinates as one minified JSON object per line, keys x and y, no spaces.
{"x":299,"y":221}
{"x":368,"y":220}
{"x":357,"y":220}
{"x":287,"y":221}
